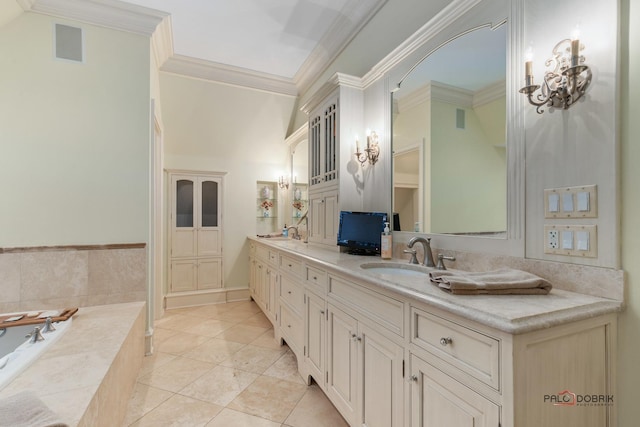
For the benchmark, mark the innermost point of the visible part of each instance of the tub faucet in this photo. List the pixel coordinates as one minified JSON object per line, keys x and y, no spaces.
{"x":35,"y":335}
{"x":48,"y":326}
{"x":296,"y":234}
{"x":427,"y":261}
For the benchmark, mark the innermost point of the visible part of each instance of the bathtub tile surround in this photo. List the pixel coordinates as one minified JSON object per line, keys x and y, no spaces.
{"x":247,"y":381}
{"x":80,"y":276}
{"x":89,"y":374}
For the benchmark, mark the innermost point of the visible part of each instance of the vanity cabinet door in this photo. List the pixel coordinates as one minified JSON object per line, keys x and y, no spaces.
{"x":438,"y":400}
{"x":315,"y":338}
{"x":342,"y":363}
{"x":382,"y":386}
{"x":324,"y":217}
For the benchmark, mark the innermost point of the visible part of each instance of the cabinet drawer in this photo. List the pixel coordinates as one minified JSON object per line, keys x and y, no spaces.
{"x":317,"y":278}
{"x":262,"y":252}
{"x":292,"y":328}
{"x":383,"y":309}
{"x":292,"y":293}
{"x":273,"y":257}
{"x":291,"y":265}
{"x":470,"y":351}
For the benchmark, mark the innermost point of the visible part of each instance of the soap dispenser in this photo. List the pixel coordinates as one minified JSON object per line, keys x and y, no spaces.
{"x":386,"y":246}
{"x":285,"y":231}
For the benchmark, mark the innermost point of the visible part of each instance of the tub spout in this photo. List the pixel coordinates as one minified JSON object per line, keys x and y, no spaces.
{"x":35,"y":335}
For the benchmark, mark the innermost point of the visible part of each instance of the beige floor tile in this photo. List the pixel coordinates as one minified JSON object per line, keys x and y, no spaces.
{"x":161,"y":334}
{"x":243,"y":305}
{"x":285,"y":368}
{"x":214,"y":351}
{"x":143,"y":400}
{"x":315,"y":410}
{"x":235,"y":316}
{"x":181,"y":343}
{"x":154,"y":361}
{"x":253,"y":359}
{"x":209,"y":311}
{"x":258,"y":319}
{"x":220,"y":386}
{"x":209,"y":327}
{"x":267,"y":340}
{"x":269,"y":398}
{"x":180,"y":411}
{"x":241,"y":333}
{"x":231,"y":418}
{"x":176,"y":374}
{"x":180,"y":322}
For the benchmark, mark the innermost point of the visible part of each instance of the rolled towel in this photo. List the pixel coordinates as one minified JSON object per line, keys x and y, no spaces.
{"x":503,"y":281}
{"x":26,"y":410}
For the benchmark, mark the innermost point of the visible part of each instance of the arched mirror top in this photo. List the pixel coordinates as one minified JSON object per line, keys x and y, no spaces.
{"x":466,"y":61}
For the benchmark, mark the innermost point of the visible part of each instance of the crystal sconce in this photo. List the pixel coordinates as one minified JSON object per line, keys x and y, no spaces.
{"x":370,"y":153}
{"x":565,"y":83}
{"x":283,"y":182}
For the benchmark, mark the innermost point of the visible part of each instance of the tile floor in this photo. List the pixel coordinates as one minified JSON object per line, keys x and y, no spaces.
{"x":220,"y":366}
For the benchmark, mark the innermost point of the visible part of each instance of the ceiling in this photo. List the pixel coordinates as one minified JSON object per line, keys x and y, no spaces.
{"x":276,"y":45}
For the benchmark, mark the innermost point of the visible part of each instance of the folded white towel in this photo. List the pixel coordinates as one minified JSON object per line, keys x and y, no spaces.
{"x":498,"y":282}
{"x":26,"y":410}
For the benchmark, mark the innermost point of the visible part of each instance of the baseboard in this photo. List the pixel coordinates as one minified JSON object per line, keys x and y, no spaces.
{"x":213,"y":296}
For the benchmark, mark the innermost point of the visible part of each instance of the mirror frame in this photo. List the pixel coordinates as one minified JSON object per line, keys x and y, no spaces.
{"x":457,"y":19}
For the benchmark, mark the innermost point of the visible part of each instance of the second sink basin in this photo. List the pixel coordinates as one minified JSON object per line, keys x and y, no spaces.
{"x":396,"y":269}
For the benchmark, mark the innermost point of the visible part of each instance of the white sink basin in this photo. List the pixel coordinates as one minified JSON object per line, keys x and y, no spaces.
{"x":396,"y":269}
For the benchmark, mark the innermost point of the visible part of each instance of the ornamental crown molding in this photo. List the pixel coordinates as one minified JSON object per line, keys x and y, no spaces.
{"x":111,"y":14}
{"x":336,"y":81}
{"x":228,"y":74}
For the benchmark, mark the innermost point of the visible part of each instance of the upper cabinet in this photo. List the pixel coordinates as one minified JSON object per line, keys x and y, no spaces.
{"x":324,"y":143}
{"x":335,"y":119}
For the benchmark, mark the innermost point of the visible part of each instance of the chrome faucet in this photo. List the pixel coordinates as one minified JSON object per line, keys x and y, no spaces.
{"x":296,"y":234}
{"x":427,"y":261}
{"x":35,"y":336}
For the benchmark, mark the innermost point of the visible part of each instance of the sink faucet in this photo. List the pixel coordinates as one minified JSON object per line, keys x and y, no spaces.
{"x":427,"y":261}
{"x":296,"y":234}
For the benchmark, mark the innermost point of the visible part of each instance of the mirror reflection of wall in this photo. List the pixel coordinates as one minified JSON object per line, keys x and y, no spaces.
{"x":453,"y":104}
{"x":299,"y":195}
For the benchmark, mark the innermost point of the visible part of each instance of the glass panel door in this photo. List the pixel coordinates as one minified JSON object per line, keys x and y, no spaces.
{"x":184,"y":203}
{"x":209,"y":209}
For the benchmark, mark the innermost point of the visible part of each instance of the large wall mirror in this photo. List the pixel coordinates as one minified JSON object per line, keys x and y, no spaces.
{"x":449,"y":138}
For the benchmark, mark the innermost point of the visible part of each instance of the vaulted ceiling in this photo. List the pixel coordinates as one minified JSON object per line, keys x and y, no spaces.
{"x":275,"y":45}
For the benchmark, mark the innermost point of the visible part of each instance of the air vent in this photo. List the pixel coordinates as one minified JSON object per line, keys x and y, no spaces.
{"x":68,"y":43}
{"x":460,"y":118}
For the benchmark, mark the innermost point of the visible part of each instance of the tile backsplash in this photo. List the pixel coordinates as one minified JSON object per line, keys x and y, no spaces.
{"x":59,"y":277}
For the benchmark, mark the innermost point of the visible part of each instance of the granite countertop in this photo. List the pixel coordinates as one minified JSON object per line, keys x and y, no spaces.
{"x":514,"y":314}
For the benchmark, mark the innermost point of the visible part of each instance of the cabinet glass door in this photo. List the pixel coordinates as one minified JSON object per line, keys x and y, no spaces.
{"x":209,"y":207}
{"x":184,"y":203}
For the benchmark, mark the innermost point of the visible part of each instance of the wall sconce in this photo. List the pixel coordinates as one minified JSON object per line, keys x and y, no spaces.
{"x":283,"y":182}
{"x":566,"y":83}
{"x":370,"y":153}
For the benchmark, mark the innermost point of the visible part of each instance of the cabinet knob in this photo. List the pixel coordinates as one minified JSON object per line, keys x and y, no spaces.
{"x":413,"y":378}
{"x":290,"y":266}
{"x":445,"y":341}
{"x":321,"y":311}
{"x":289,"y":292}
{"x":315,"y":278}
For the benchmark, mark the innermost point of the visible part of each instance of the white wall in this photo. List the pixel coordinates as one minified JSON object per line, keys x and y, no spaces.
{"x":74,"y":137}
{"x":574,"y":147}
{"x":222,"y":128}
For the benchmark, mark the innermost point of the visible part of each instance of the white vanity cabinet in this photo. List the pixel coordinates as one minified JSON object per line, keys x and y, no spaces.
{"x":385,"y":358}
{"x":291,"y":303}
